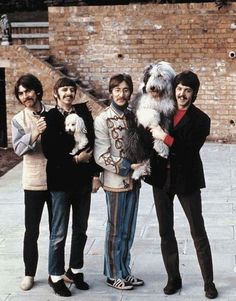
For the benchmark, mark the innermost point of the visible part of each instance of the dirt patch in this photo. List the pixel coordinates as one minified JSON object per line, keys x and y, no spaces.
{"x":8,"y":159}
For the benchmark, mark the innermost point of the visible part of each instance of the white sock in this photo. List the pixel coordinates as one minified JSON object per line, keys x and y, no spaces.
{"x":56,"y":278}
{"x":75,"y":271}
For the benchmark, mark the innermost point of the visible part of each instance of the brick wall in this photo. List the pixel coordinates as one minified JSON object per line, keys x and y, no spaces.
{"x":16,"y":60}
{"x":103,"y":40}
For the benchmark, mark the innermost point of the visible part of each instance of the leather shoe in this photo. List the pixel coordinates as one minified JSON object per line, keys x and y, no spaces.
{"x":27,"y":283}
{"x":173,"y":286}
{"x":78,"y":279}
{"x":59,"y":287}
{"x":210,"y":290}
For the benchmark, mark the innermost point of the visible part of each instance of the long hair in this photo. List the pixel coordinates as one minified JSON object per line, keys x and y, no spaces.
{"x":189,"y":79}
{"x":63,"y":82}
{"x":30,"y":82}
{"x":119,"y":78}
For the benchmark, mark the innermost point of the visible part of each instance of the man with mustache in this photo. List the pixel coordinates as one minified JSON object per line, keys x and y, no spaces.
{"x":70,"y":179}
{"x":183,"y":175}
{"x":122,"y":192}
{"x":27,"y":127}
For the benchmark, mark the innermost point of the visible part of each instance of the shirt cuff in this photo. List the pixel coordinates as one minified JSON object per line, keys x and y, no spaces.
{"x":168,"y":140}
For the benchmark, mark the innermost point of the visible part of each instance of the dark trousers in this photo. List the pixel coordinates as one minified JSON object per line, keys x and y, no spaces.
{"x":62,"y":201}
{"x":192,"y":207}
{"x":34,"y":203}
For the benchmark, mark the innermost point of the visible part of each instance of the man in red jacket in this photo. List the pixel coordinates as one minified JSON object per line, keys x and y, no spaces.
{"x":183,"y":176}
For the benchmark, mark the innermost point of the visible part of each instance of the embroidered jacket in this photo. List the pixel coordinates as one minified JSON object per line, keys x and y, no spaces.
{"x":110,"y":127}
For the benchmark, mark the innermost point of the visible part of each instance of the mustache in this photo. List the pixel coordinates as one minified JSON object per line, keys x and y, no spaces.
{"x":182,"y":97}
{"x":70,"y":96}
{"x":28,"y":98}
{"x":122,"y":98}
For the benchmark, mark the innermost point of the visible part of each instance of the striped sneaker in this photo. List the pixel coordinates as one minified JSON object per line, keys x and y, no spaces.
{"x":119,"y":284}
{"x":134,"y":281}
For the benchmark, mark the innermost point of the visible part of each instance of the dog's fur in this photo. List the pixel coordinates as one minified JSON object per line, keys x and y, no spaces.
{"x":75,"y":125}
{"x":151,"y":112}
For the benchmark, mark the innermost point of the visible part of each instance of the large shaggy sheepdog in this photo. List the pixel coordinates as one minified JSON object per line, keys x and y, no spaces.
{"x":154,"y":106}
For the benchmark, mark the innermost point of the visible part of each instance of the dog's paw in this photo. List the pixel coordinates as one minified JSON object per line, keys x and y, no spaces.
{"x":137,"y":174}
{"x":147,"y":168}
{"x":143,"y":170}
{"x":161,"y":148}
{"x":163,"y":155}
{"x":73,"y":153}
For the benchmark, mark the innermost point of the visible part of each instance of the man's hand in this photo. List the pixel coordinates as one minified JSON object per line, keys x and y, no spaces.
{"x":41,"y":125}
{"x":96,"y":184}
{"x":84,"y":156}
{"x":157,"y":132}
{"x":136,"y":165}
{"x":40,"y":128}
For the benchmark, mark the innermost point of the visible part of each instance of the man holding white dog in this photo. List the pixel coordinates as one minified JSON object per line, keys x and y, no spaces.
{"x":71,"y":178}
{"x":183,"y":175}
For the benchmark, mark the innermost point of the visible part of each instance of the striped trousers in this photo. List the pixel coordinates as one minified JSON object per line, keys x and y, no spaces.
{"x":122,"y":209}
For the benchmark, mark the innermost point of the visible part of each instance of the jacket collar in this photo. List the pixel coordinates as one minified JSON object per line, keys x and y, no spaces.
{"x":39,"y":113}
{"x":65,"y":113}
{"x":116,"y":110}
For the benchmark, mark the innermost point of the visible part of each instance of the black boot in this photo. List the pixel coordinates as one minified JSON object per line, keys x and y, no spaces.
{"x":210,"y":290}
{"x":173,"y":286}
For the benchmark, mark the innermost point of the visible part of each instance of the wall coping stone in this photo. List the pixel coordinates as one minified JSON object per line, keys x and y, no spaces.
{"x":30,"y":35}
{"x":29,"y":24}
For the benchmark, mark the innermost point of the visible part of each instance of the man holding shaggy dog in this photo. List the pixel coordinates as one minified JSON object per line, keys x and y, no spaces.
{"x":71,"y":179}
{"x":122,"y":192}
{"x":183,"y":175}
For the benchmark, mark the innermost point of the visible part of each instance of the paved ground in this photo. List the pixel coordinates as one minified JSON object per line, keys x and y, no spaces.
{"x":219,"y":209}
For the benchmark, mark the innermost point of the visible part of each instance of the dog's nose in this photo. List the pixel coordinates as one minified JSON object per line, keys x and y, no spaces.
{"x":69,"y":131}
{"x":152,"y":88}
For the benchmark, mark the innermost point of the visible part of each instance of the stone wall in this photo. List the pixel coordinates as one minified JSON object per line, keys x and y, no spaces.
{"x":16,"y":60}
{"x":103,"y":40}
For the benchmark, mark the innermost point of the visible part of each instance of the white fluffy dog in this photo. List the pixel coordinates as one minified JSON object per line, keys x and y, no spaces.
{"x":154,"y":106}
{"x":75,"y":125}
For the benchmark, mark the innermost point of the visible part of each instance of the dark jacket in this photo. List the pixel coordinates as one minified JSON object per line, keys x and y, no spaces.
{"x":63,"y":174}
{"x":185,"y":163}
